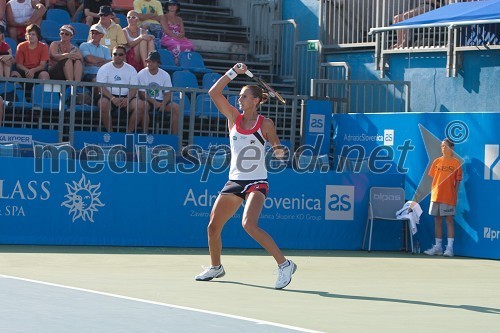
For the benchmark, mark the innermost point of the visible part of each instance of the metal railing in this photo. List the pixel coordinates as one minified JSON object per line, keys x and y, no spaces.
{"x":353,"y":96}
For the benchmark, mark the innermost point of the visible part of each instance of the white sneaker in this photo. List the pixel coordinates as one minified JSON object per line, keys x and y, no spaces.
{"x":434,"y":250}
{"x":210,"y":272}
{"x":448,"y":252}
{"x":285,"y":275}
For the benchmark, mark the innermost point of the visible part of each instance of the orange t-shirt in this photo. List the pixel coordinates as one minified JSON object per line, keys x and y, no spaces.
{"x":445,"y":172}
{"x":31,"y":58}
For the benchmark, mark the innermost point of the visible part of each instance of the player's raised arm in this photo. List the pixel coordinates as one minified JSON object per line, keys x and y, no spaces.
{"x":219,"y":99}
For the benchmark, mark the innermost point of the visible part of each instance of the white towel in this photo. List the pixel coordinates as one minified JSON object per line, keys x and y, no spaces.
{"x":411,"y":210}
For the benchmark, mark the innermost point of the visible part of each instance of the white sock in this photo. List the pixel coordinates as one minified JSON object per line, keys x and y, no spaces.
{"x":439,"y":242}
{"x":286,"y":263}
{"x":450,"y":243}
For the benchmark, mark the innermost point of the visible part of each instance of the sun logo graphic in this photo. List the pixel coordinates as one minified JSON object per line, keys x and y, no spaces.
{"x":83,"y":199}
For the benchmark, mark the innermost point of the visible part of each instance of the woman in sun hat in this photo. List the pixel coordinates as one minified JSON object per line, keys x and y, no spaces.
{"x":65,"y":59}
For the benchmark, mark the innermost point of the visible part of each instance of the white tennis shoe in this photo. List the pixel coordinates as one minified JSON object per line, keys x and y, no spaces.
{"x":434,"y":251}
{"x":211,"y":272}
{"x":448,"y":252}
{"x":285,"y":275}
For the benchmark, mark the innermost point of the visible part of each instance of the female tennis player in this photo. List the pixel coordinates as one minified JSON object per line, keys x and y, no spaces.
{"x":248,"y":134}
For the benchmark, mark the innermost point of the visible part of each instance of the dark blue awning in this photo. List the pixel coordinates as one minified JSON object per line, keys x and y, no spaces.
{"x":462,"y":13}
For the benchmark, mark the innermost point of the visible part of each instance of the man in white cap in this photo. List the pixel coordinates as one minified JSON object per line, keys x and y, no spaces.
{"x":94,"y":54}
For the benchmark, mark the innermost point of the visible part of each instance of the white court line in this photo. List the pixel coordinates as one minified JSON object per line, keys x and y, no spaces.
{"x":259,"y":322}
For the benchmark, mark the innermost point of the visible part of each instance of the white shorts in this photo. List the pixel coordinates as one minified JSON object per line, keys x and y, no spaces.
{"x":441,"y":209}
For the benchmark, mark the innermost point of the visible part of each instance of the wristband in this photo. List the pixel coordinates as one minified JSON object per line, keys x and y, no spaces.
{"x":231,"y":74}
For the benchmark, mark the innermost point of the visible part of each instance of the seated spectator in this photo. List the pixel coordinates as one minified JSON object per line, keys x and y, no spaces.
{"x":117,"y":98}
{"x":157,"y":99}
{"x":150,"y":12}
{"x":5,"y":55}
{"x":65,"y":58}
{"x":173,"y":28}
{"x":114,"y":34}
{"x":91,"y":10}
{"x":94,"y":54}
{"x":402,"y":35}
{"x":32,"y":56}
{"x":139,"y":42}
{"x":22,"y":13}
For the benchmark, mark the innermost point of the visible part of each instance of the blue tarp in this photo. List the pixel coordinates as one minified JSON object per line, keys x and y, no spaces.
{"x":463,"y":13}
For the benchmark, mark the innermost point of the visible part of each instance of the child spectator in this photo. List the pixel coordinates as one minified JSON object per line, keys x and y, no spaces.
{"x":32,"y":56}
{"x":446,"y":173}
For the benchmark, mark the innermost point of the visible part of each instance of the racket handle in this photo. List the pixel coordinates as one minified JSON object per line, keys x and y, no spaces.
{"x":250,"y":74}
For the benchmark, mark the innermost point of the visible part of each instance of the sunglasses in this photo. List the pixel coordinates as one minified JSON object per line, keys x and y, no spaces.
{"x":132,"y":17}
{"x":116,"y":54}
{"x":64,"y":33}
{"x":95,"y":32}
{"x":101,"y":15}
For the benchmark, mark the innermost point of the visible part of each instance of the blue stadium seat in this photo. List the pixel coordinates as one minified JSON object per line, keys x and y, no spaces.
{"x":81,"y":32}
{"x":50,"y":30}
{"x":193,"y":61}
{"x":184,"y":79}
{"x":176,"y":98}
{"x":209,"y":80}
{"x":13,"y":45}
{"x":123,"y":19}
{"x":46,"y":97}
{"x":205,"y":107}
{"x":58,"y":15}
{"x":167,"y":61}
{"x":233,"y":100}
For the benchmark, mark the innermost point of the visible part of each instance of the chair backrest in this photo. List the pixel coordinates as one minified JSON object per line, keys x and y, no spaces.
{"x":58,"y":15}
{"x":167,"y":61}
{"x":81,"y":32}
{"x":205,"y":107}
{"x":46,"y":96}
{"x":209,"y":80}
{"x":193,"y":61}
{"x":176,"y":98}
{"x":386,"y":201}
{"x":184,"y":79}
{"x":122,"y":18}
{"x":50,"y":30}
{"x":13,"y":45}
{"x":233,"y":100}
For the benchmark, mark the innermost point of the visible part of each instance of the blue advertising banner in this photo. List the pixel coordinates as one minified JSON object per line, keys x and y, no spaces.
{"x":308,"y":210}
{"x":408,"y":143}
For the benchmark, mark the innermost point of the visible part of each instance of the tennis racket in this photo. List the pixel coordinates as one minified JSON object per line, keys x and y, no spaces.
{"x":263,"y":84}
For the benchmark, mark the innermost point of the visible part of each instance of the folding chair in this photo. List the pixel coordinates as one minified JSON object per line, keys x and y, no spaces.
{"x":383,"y":205}
{"x":167,"y":61}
